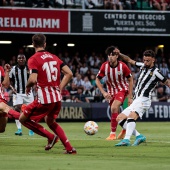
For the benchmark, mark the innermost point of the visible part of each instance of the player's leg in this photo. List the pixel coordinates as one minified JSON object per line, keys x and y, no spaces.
{"x":140,"y":106}
{"x":115,"y":104}
{"x":31,"y":115}
{"x":114,"y":113}
{"x":57,"y":129}
{"x":3,"y":122}
{"x":17,"y":103}
{"x":27,"y":99}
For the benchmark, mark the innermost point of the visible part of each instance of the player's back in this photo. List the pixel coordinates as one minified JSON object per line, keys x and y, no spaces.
{"x":48,"y":67}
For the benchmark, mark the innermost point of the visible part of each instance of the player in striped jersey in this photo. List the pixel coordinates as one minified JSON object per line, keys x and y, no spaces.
{"x":119,"y":85}
{"x":148,"y":78}
{"x":4,"y":82}
{"x":19,"y":75}
{"x":45,"y":71}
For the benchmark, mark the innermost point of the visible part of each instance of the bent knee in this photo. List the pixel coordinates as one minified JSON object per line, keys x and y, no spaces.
{"x":120,"y":117}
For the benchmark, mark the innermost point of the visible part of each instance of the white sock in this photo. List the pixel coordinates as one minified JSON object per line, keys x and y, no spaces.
{"x":130,"y":128}
{"x":135,"y":132}
{"x":112,"y":132}
{"x":18,"y":124}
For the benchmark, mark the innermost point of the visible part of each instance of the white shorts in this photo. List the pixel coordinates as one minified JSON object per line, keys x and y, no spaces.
{"x":139,"y":105}
{"x":22,"y":99}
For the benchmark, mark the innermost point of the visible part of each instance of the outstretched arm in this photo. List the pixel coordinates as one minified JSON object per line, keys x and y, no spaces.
{"x":124,"y":57}
{"x":130,"y":95}
{"x":127,"y":59}
{"x":167,"y":83}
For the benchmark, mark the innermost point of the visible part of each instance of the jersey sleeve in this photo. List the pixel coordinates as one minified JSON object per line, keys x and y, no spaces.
{"x":126,"y":71}
{"x":160,"y":76}
{"x":139,"y":64}
{"x":32,"y":65}
{"x":2,"y":71}
{"x":101,"y":72}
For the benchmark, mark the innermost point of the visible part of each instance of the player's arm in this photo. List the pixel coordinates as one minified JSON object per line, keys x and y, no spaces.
{"x":106,"y":95}
{"x":32,"y":80}
{"x":67,"y":76}
{"x":127,"y":59}
{"x":6,"y":81}
{"x":167,"y":83}
{"x":130,"y":95}
{"x":12,"y":82}
{"x":99,"y":85}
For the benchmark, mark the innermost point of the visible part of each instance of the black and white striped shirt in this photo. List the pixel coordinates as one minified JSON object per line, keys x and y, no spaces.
{"x":147,"y":80}
{"x":19,"y":77}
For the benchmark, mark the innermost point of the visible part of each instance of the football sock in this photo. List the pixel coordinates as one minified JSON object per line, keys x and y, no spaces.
{"x":56,"y":128}
{"x":18,"y":123}
{"x":114,"y":122}
{"x":135,"y":133}
{"x":123,"y":124}
{"x":38,"y":129}
{"x":131,"y":124}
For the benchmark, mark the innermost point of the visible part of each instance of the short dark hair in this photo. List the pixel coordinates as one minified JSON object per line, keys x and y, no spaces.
{"x":149,"y":53}
{"x":110,"y":50}
{"x":39,"y":40}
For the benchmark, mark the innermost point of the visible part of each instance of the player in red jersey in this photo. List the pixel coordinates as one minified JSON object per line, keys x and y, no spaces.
{"x":45,"y":69}
{"x":119,"y":83}
{"x":4,"y":82}
{"x":6,"y":111}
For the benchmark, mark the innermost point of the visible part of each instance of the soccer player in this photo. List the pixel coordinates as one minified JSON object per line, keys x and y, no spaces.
{"x":18,"y":77}
{"x":4,"y":82}
{"x":6,"y":112}
{"x":119,"y":83}
{"x":45,"y":69}
{"x":149,"y":76}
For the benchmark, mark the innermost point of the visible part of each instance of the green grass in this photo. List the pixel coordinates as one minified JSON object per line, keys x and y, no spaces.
{"x":94,"y":152}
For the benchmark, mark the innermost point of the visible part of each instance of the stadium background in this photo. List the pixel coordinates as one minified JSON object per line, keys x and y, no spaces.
{"x":86,"y":42}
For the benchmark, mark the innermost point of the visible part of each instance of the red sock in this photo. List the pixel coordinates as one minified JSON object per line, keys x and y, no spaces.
{"x":56,"y":128}
{"x":114,"y":122}
{"x":38,"y":129}
{"x":12,"y":114}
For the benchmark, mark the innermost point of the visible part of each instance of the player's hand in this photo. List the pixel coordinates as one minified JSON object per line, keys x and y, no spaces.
{"x":28,"y":90}
{"x":130,"y":100}
{"x":7,"y":67}
{"x":107,"y":96}
{"x":117,"y":51}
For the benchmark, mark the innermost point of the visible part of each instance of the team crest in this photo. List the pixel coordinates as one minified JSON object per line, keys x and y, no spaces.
{"x":119,"y":72}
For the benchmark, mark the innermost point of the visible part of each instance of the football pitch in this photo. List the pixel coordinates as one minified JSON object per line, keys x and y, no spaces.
{"x":94,"y":152}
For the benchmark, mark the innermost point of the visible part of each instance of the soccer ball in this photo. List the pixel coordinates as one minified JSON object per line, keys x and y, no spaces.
{"x":91,"y":128}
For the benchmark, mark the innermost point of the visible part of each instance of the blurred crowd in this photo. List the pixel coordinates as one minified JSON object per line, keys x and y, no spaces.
{"x":92,"y":4}
{"x":83,"y":88}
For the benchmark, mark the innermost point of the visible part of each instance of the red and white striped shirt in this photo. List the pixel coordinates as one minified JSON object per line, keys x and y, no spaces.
{"x":116,"y":77}
{"x":48,"y":66}
{"x":2,"y":74}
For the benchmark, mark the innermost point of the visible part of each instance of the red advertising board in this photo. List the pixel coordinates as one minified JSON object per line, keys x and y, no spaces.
{"x":33,"y":20}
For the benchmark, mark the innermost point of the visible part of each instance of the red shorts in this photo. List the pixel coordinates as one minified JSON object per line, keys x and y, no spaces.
{"x":3,"y":114}
{"x":120,"y":96}
{"x":37,"y":111}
